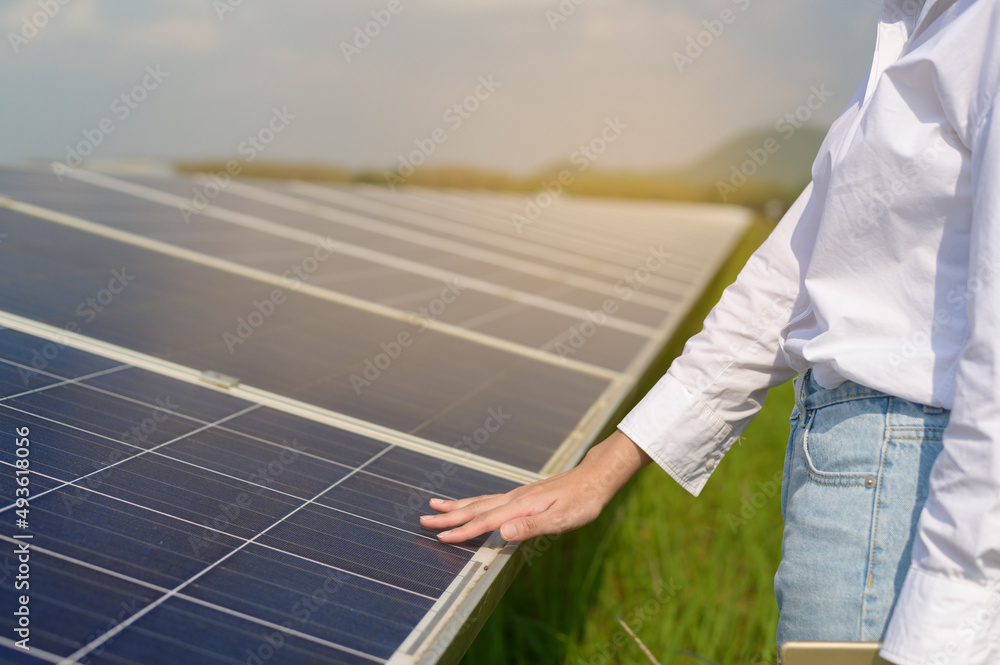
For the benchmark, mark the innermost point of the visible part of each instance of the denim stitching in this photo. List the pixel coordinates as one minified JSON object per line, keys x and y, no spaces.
{"x":869,"y":578}
{"x":917,"y":433}
{"x":846,"y":398}
{"x":827,"y":478}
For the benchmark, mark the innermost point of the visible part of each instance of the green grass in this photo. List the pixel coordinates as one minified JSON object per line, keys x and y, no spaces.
{"x":691,"y":576}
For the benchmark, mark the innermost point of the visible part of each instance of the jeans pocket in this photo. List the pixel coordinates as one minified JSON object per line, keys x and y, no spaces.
{"x":844,"y":443}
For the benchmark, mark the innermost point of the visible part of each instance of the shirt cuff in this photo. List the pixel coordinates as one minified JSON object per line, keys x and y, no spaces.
{"x":679,"y":432}
{"x":942,"y":620}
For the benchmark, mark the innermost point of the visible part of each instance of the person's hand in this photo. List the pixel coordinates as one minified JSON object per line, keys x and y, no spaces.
{"x":551,"y":506}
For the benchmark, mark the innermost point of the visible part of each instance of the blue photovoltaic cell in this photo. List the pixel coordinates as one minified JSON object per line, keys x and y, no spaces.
{"x":139,"y":424}
{"x":37,"y":362}
{"x":69,"y":606}
{"x":284,"y":469}
{"x":283,"y":428}
{"x":228,"y":532}
{"x":368,"y":548}
{"x":143,"y":545}
{"x":151,"y":388}
{"x":51,"y":453}
{"x":337,"y":607}
{"x":16,"y":378}
{"x":180,"y":631}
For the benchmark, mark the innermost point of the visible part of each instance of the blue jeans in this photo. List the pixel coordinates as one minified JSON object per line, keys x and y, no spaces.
{"x":855,"y":480}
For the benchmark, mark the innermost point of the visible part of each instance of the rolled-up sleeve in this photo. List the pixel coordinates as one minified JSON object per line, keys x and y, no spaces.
{"x":948,"y":610}
{"x":693,"y":415}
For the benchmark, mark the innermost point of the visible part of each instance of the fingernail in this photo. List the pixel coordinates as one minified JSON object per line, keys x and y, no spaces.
{"x":437,"y":501}
{"x":427,"y":517}
{"x":508,"y":532}
{"x":443,"y":534}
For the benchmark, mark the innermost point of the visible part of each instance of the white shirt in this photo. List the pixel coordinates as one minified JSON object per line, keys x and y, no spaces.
{"x":885,"y":271}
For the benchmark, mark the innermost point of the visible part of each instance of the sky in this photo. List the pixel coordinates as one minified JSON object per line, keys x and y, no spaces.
{"x":511,"y":85}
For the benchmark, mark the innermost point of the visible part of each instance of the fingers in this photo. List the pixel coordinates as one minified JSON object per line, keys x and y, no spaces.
{"x":489,"y":521}
{"x":453,"y":513}
{"x":447,"y":506}
{"x":514,"y":517}
{"x":553,"y":505}
{"x":512,"y":529}
{"x":475,"y":518}
{"x":449,"y":520}
{"x":521,"y":528}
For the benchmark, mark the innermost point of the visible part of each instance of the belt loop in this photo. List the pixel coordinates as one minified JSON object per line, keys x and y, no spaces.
{"x":805,"y":389}
{"x":799,"y":386}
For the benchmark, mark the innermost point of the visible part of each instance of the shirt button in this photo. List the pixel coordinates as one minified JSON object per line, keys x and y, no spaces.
{"x":710,"y":464}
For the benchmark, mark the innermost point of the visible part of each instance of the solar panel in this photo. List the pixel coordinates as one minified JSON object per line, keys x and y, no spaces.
{"x":235,"y":417}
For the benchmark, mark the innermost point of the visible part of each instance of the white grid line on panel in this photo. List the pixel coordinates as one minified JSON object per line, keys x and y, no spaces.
{"x":86,"y":649}
{"x":308,"y":289}
{"x":354,"y":197}
{"x":311,"y":239}
{"x":423,"y":239}
{"x":192,"y":599}
{"x":264,"y":398}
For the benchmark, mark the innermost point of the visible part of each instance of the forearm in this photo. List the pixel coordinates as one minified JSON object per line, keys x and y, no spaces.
{"x":610,"y":464}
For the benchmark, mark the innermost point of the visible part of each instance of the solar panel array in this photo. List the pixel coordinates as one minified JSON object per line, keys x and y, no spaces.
{"x":233,"y":399}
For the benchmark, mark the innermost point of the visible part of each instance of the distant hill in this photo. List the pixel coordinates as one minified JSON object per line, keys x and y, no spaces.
{"x":789,"y":166}
{"x":770,"y":187}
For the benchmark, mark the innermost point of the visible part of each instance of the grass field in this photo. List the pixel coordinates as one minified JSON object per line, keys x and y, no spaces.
{"x":692,"y":577}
